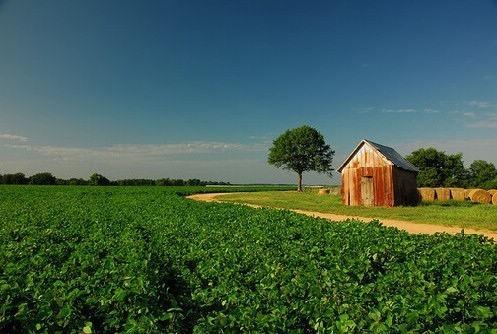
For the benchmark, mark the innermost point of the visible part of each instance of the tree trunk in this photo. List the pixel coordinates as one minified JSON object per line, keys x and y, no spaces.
{"x":299,"y":179}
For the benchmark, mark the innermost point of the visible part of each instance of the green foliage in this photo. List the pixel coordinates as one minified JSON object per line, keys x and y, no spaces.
{"x":301,"y":149}
{"x":89,"y":259}
{"x":436,"y":168}
{"x":492,"y":184}
{"x":98,"y":180}
{"x":77,"y":182}
{"x":17,"y":178}
{"x":42,"y":178}
{"x":482,"y":172}
{"x":454,"y":172}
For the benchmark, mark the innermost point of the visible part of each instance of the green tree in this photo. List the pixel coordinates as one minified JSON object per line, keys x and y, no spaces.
{"x":481,"y":172}
{"x":491,"y":184}
{"x":436,"y":168}
{"x":98,"y":180}
{"x":455,"y":175}
{"x":76,"y":182}
{"x":17,"y":178}
{"x":42,"y":178}
{"x":301,"y":149}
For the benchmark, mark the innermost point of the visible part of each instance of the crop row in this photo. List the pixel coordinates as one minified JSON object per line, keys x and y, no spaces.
{"x":146,"y":260}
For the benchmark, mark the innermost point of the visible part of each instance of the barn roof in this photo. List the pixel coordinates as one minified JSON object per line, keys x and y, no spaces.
{"x":389,"y":153}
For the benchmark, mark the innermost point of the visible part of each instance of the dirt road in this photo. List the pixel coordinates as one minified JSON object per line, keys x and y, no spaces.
{"x":410,"y":227}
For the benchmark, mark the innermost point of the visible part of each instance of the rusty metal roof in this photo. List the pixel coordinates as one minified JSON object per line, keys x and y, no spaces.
{"x":389,"y":153}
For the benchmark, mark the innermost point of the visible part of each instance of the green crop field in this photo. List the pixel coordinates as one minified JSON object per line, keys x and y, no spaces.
{"x":451,"y":213}
{"x":144,"y":259}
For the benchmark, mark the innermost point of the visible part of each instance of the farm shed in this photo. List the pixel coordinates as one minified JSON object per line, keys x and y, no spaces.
{"x":376,"y":175}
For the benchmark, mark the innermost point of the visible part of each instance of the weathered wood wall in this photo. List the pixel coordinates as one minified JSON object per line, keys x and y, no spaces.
{"x":391,"y":185}
{"x":368,"y":162}
{"x":382,"y":185}
{"x":405,"y":187}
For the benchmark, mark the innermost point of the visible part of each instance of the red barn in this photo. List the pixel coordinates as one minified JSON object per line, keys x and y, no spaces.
{"x":376,"y":175}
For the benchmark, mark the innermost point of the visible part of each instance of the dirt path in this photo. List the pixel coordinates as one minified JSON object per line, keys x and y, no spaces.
{"x":400,"y":224}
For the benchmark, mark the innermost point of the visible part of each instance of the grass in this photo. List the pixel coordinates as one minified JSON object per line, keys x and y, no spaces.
{"x":459,"y":214}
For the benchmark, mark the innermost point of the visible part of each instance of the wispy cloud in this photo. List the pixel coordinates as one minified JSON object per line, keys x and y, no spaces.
{"x":11,"y":137}
{"x":492,"y":116}
{"x":138,"y":151}
{"x":427,"y":110}
{"x":483,"y":125}
{"x":400,"y":111}
{"x":470,"y":106}
{"x":235,"y":162}
{"x":412,"y":110}
{"x":431,"y":111}
{"x":366,"y":110}
{"x":480,"y":104}
{"x":263,"y":139}
{"x":478,"y":120}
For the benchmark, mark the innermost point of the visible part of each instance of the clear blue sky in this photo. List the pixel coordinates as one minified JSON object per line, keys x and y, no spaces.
{"x":200,"y":88}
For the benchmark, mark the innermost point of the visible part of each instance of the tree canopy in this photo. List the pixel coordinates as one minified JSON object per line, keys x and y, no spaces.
{"x":17,"y":178}
{"x":301,"y":149}
{"x":439,"y":169}
{"x":436,"y":168}
{"x":481,"y":172}
{"x":98,"y":179}
{"x":42,"y":178}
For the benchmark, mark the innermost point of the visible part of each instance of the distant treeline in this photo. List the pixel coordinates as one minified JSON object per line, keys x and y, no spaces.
{"x":99,"y":180}
{"x":439,"y":169}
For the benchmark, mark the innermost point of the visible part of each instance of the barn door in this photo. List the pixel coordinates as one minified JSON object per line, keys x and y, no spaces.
{"x":367,"y":191}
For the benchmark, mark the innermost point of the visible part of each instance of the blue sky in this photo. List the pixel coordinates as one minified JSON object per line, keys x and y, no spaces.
{"x":200,"y":88}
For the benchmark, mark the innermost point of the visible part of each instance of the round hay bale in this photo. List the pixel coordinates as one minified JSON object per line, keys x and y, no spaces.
{"x":442,"y":194}
{"x":494,"y":199}
{"x":492,"y":191}
{"x":324,"y":191}
{"x":480,"y":196}
{"x":466,"y":193}
{"x":427,"y":194}
{"x":336,"y":191}
{"x":458,"y":194}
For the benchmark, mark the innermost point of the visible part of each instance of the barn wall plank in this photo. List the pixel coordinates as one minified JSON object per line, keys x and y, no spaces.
{"x":392,"y":186}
